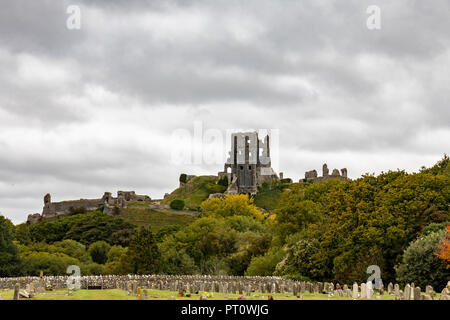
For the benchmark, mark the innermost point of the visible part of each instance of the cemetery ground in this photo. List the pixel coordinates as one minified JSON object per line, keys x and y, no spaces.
{"x":153,"y":294}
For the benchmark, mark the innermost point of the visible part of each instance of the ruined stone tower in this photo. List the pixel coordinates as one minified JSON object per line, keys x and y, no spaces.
{"x":249,"y":164}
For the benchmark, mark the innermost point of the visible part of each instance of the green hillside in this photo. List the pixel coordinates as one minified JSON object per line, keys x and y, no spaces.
{"x":195,"y":191}
{"x":269,"y":196}
{"x":141,"y":216}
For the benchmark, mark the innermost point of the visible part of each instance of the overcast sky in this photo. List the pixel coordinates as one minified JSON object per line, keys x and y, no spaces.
{"x":88,"y":110}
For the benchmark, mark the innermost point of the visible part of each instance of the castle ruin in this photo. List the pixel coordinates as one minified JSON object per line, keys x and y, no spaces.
{"x":249,"y":163}
{"x":312,"y":175}
{"x":107,"y":203}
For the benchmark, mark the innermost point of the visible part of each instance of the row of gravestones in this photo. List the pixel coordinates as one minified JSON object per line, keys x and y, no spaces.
{"x":411,"y":292}
{"x":222,"y":284}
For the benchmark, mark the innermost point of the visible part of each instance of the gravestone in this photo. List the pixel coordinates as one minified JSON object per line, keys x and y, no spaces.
{"x":363,"y":291}
{"x":429,"y":290}
{"x":407,"y":292}
{"x":16,"y":291}
{"x":390,"y":288}
{"x":349,"y":293}
{"x":355,"y":291}
{"x":369,"y":289}
{"x":417,"y":293}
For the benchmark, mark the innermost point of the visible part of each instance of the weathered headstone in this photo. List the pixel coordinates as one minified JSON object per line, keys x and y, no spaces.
{"x":16,"y":291}
{"x":390,"y":288}
{"x":363,"y":291}
{"x":407,"y":292}
{"x":355,"y":291}
{"x":349,"y":293}
{"x":369,"y":289}
{"x":397,"y":290}
{"x":429,"y":290}
{"x":417,"y":293}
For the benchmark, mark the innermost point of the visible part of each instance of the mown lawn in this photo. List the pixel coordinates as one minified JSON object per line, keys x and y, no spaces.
{"x":116,"y":294}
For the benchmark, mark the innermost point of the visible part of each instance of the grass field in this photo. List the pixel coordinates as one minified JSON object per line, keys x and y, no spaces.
{"x":267,"y":199}
{"x":141,"y":216}
{"x":169,"y":295}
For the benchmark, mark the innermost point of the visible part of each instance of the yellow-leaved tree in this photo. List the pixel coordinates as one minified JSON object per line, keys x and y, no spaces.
{"x":231,"y":205}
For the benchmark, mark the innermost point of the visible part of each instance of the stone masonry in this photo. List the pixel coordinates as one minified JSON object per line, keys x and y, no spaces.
{"x":249,"y":164}
{"x":107,"y":203}
{"x":312,"y":175}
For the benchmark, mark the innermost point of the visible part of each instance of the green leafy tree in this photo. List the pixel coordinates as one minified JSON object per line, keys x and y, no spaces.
{"x":421,"y":265}
{"x":264,"y":265}
{"x":84,"y":228}
{"x":183,"y":178}
{"x":50,"y":263}
{"x":9,"y":258}
{"x":115,"y":253}
{"x":99,"y":251}
{"x":223,"y":181}
{"x":143,"y":253}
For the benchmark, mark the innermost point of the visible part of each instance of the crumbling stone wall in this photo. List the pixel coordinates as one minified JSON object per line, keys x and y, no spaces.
{"x":107,"y":203}
{"x":335,"y":174}
{"x":249,"y":164}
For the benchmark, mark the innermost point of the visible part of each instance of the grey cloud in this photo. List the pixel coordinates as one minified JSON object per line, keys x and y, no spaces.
{"x":309,"y":68}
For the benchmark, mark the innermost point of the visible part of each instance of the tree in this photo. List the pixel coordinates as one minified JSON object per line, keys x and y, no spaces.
{"x":115,"y":253}
{"x":85,"y":228}
{"x":444,"y":249}
{"x":99,"y":252}
{"x":265,"y":265}
{"x":143,"y":253}
{"x":231,"y":205}
{"x":421,"y":265}
{"x":177,"y":204}
{"x":183,"y":178}
{"x":9,"y":257}
{"x":223,"y":181}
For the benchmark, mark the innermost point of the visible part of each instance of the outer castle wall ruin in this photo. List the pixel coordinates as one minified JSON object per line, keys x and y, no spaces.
{"x":107,"y":203}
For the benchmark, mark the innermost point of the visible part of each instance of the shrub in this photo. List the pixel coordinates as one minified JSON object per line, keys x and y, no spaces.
{"x":421,"y":265}
{"x":223,"y":181}
{"x":183,"y":178}
{"x":177,"y":204}
{"x":77,"y":210}
{"x":265,"y":265}
{"x":99,"y":252}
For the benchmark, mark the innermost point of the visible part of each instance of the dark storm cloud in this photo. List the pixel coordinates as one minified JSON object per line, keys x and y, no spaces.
{"x":89,"y":110}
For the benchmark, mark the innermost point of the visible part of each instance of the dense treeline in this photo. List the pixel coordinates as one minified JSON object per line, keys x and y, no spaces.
{"x":330,"y":231}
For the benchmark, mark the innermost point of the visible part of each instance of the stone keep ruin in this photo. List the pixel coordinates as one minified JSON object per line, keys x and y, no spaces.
{"x":249,"y":164}
{"x":312,"y":175}
{"x":107,"y":203}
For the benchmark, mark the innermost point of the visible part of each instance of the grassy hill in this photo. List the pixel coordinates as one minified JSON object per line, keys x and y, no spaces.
{"x":195,"y":191}
{"x":267,"y":199}
{"x":268,"y":196}
{"x":143,"y":216}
